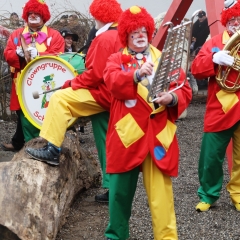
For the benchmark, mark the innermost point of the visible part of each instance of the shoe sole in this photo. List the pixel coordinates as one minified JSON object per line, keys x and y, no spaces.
{"x":212,"y":205}
{"x":234,"y":206}
{"x":199,"y":210}
{"x":101,"y":201}
{"x":8,"y":149}
{"x":41,"y":160}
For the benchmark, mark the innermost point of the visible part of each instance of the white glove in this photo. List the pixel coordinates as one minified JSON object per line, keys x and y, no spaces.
{"x":222,"y":58}
{"x":20,"y":52}
{"x":33,"y":52}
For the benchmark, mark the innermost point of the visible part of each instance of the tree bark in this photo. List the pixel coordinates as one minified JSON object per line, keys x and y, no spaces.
{"x":35,"y":197}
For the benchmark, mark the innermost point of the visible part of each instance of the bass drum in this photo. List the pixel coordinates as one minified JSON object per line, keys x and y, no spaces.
{"x":76,"y":60}
{"x":43,"y":74}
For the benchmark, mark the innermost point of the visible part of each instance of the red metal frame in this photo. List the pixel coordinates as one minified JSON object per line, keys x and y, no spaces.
{"x":214,"y":9}
{"x":175,"y":14}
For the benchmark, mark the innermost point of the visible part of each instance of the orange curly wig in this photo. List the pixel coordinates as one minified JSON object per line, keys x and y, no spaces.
{"x":105,"y":11}
{"x":36,"y":6}
{"x":132,"y":19}
{"x":228,"y":13}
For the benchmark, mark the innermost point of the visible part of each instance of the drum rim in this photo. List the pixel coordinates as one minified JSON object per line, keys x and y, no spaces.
{"x":20,"y":95}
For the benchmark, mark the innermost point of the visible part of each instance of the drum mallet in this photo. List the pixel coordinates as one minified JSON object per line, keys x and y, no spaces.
{"x":36,"y":93}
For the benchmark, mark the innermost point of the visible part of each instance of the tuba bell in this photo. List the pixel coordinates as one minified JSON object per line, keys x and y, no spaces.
{"x":222,"y":77}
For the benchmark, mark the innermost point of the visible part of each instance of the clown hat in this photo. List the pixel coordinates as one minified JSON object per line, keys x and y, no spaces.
{"x":105,"y":11}
{"x":48,"y":78}
{"x":36,"y":6}
{"x":132,"y":19}
{"x":231,"y":9}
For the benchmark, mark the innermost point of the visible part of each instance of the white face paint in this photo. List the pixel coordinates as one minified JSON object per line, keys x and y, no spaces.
{"x":140,"y":42}
{"x":233,"y":29}
{"x":233,"y":25}
{"x":36,"y":19}
{"x":138,"y":39}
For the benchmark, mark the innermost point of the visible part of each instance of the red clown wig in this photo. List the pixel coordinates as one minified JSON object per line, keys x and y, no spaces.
{"x":105,"y":11}
{"x":231,"y":10}
{"x":132,"y":19}
{"x":36,"y":6}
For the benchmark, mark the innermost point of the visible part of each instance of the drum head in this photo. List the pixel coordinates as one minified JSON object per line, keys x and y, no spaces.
{"x":40,"y":75}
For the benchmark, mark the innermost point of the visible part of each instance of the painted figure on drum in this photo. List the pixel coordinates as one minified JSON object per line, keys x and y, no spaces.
{"x":24,"y":45}
{"x":49,"y":84}
{"x":218,"y":60}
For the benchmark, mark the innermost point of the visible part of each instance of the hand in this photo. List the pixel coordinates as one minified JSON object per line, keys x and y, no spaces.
{"x":222,"y":58}
{"x":33,"y":52}
{"x":67,"y":84}
{"x":164,"y":98}
{"x":20,"y":52}
{"x":146,"y":69}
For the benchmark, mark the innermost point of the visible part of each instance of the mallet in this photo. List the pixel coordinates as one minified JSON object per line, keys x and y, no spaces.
{"x":36,"y":93}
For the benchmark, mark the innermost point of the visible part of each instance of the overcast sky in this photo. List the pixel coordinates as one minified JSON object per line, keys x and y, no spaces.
{"x":153,"y":6}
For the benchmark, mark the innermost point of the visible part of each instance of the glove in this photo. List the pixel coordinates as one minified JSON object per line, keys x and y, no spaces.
{"x":222,"y":58}
{"x":33,"y":52}
{"x":20,"y":52}
{"x":67,"y":84}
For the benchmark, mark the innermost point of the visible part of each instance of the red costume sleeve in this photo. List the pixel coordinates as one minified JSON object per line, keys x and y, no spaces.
{"x":10,"y":51}
{"x":101,"y":48}
{"x":120,"y":83}
{"x":184,"y":95}
{"x":203,"y":66}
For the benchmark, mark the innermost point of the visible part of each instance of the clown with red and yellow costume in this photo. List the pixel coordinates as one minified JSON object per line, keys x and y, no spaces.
{"x":141,"y":135}
{"x":41,"y":40}
{"x":221,"y":122}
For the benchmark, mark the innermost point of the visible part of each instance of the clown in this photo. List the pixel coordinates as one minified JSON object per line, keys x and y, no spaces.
{"x":49,"y":84}
{"x":141,"y":136}
{"x":86,"y":94}
{"x":222,"y":119}
{"x":41,"y":40}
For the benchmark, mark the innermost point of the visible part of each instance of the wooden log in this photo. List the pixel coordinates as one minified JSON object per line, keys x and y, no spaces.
{"x":35,"y":197}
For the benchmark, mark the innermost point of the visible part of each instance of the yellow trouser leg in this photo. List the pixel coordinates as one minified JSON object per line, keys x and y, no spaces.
{"x":233,"y":186}
{"x":63,"y":106}
{"x":160,"y":199}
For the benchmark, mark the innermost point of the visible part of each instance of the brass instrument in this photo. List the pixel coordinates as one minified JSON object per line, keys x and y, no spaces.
{"x":233,"y":45}
{"x":171,"y":61}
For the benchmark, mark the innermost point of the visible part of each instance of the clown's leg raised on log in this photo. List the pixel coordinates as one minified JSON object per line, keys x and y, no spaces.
{"x":86,"y":94}
{"x":63,"y":106}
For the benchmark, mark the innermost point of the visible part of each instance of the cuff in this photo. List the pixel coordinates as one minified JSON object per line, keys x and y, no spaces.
{"x":136,"y":77}
{"x":174,"y":100}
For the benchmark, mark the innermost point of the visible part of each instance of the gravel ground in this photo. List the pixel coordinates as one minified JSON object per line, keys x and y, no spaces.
{"x":88,"y":219}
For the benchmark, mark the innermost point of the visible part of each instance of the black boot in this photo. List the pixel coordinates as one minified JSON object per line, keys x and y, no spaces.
{"x":49,"y":154}
{"x":102,"y":198}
